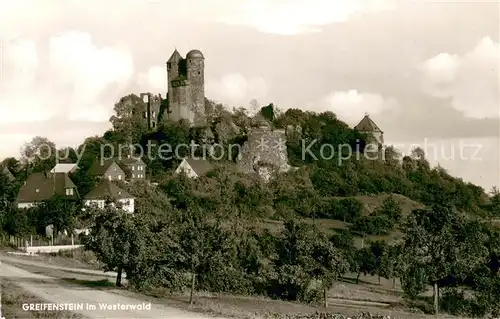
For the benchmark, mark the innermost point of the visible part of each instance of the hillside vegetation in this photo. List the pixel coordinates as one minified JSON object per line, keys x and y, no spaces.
{"x":292,"y":238}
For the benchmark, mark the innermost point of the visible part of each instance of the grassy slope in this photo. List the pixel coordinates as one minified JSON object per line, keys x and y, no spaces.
{"x":370,"y":204}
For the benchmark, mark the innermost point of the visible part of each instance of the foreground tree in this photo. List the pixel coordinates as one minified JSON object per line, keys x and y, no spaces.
{"x":444,"y":243}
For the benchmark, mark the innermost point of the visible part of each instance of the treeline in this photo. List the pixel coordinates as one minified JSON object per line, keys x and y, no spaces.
{"x":204,"y":233}
{"x":204,"y":242}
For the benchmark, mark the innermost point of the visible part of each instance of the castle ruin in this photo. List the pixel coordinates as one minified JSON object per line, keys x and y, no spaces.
{"x":265,"y":151}
{"x":186,"y":92}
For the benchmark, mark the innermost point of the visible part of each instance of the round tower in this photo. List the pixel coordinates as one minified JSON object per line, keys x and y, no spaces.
{"x":195,"y":65}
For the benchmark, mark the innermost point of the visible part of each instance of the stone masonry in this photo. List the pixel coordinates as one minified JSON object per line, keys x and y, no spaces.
{"x":186,"y":87}
{"x":264,"y":152}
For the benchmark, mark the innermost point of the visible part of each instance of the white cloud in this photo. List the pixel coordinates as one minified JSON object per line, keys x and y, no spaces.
{"x":296,"y":16}
{"x":350,"y":106}
{"x":155,"y":80}
{"x":236,"y":90}
{"x":471,"y":80}
{"x":68,"y":82}
{"x":475,"y":160}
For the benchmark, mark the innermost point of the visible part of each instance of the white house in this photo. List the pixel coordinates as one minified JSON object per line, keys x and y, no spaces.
{"x":65,"y":168}
{"x":41,"y":187}
{"x":194,"y":168}
{"x":106,"y":193}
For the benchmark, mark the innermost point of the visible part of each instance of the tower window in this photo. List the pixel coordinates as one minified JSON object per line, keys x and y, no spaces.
{"x":169,"y":66}
{"x":199,"y":72}
{"x":153,"y":124}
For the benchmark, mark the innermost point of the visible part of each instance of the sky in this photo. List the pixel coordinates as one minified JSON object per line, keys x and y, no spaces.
{"x":427,"y":72}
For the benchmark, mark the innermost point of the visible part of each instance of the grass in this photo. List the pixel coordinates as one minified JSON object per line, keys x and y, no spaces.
{"x":232,"y":306}
{"x":370,"y":203}
{"x":13,"y":298}
{"x":94,"y":284}
{"x":77,"y":258}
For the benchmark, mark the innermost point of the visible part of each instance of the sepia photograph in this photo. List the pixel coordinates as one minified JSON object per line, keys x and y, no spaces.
{"x":249,"y":159}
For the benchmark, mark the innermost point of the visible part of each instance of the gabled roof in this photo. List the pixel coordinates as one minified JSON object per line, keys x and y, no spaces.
{"x":367,"y":125}
{"x":176,"y":57}
{"x":200,"y":166}
{"x":131,"y":161}
{"x":107,"y":189}
{"x":41,"y":186}
{"x":64,"y":168}
{"x":99,"y":168}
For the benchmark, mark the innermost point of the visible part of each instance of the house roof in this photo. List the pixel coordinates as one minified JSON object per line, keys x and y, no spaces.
{"x":367,"y":125}
{"x":176,"y":57}
{"x":41,"y":186}
{"x":64,"y":168}
{"x":200,"y":166}
{"x":99,"y":168}
{"x":107,"y":189}
{"x":131,"y":161}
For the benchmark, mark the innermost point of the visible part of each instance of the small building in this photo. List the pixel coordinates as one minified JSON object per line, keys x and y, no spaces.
{"x":194,"y":167}
{"x":367,"y":126}
{"x":66,"y":168}
{"x":106,"y":193}
{"x":107,"y":169}
{"x":40,"y":187}
{"x":135,"y":169}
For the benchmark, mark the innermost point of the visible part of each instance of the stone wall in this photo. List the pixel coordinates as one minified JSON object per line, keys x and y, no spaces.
{"x":264,"y":152}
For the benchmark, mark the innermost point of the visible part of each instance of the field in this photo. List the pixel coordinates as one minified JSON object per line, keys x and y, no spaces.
{"x":370,"y":203}
{"x":13,"y":298}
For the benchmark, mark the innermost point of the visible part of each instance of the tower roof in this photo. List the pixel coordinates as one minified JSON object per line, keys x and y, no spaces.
{"x":195,"y":54}
{"x":367,"y":125}
{"x":176,"y":57}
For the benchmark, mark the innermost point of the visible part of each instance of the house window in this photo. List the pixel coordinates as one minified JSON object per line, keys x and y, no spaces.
{"x":69,"y":191}
{"x":109,"y":177}
{"x":153,"y":124}
{"x":154,"y":114}
{"x":37,"y":190}
{"x":119,"y":177}
{"x":114,"y":168}
{"x":133,"y":175}
{"x":145,"y":115}
{"x":133,"y":167}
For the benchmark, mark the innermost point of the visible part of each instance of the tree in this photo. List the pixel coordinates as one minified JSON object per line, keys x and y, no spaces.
{"x":117,"y":241}
{"x":59,"y":212}
{"x":443,"y":243}
{"x":39,"y":154}
{"x":129,"y":120}
{"x":201,"y":242}
{"x":391,"y":208}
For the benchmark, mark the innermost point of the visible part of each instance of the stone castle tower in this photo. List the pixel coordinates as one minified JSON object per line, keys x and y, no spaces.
{"x":186,"y":87}
{"x":366,"y":125}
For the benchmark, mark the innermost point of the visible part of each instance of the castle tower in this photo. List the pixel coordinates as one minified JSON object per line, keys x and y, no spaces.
{"x":366,"y":125}
{"x":186,"y":87}
{"x":196,"y":78}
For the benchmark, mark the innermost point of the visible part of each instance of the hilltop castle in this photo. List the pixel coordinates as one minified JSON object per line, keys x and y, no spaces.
{"x":186,"y":92}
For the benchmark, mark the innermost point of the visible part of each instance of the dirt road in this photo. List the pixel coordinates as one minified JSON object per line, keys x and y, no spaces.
{"x":90,"y":303}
